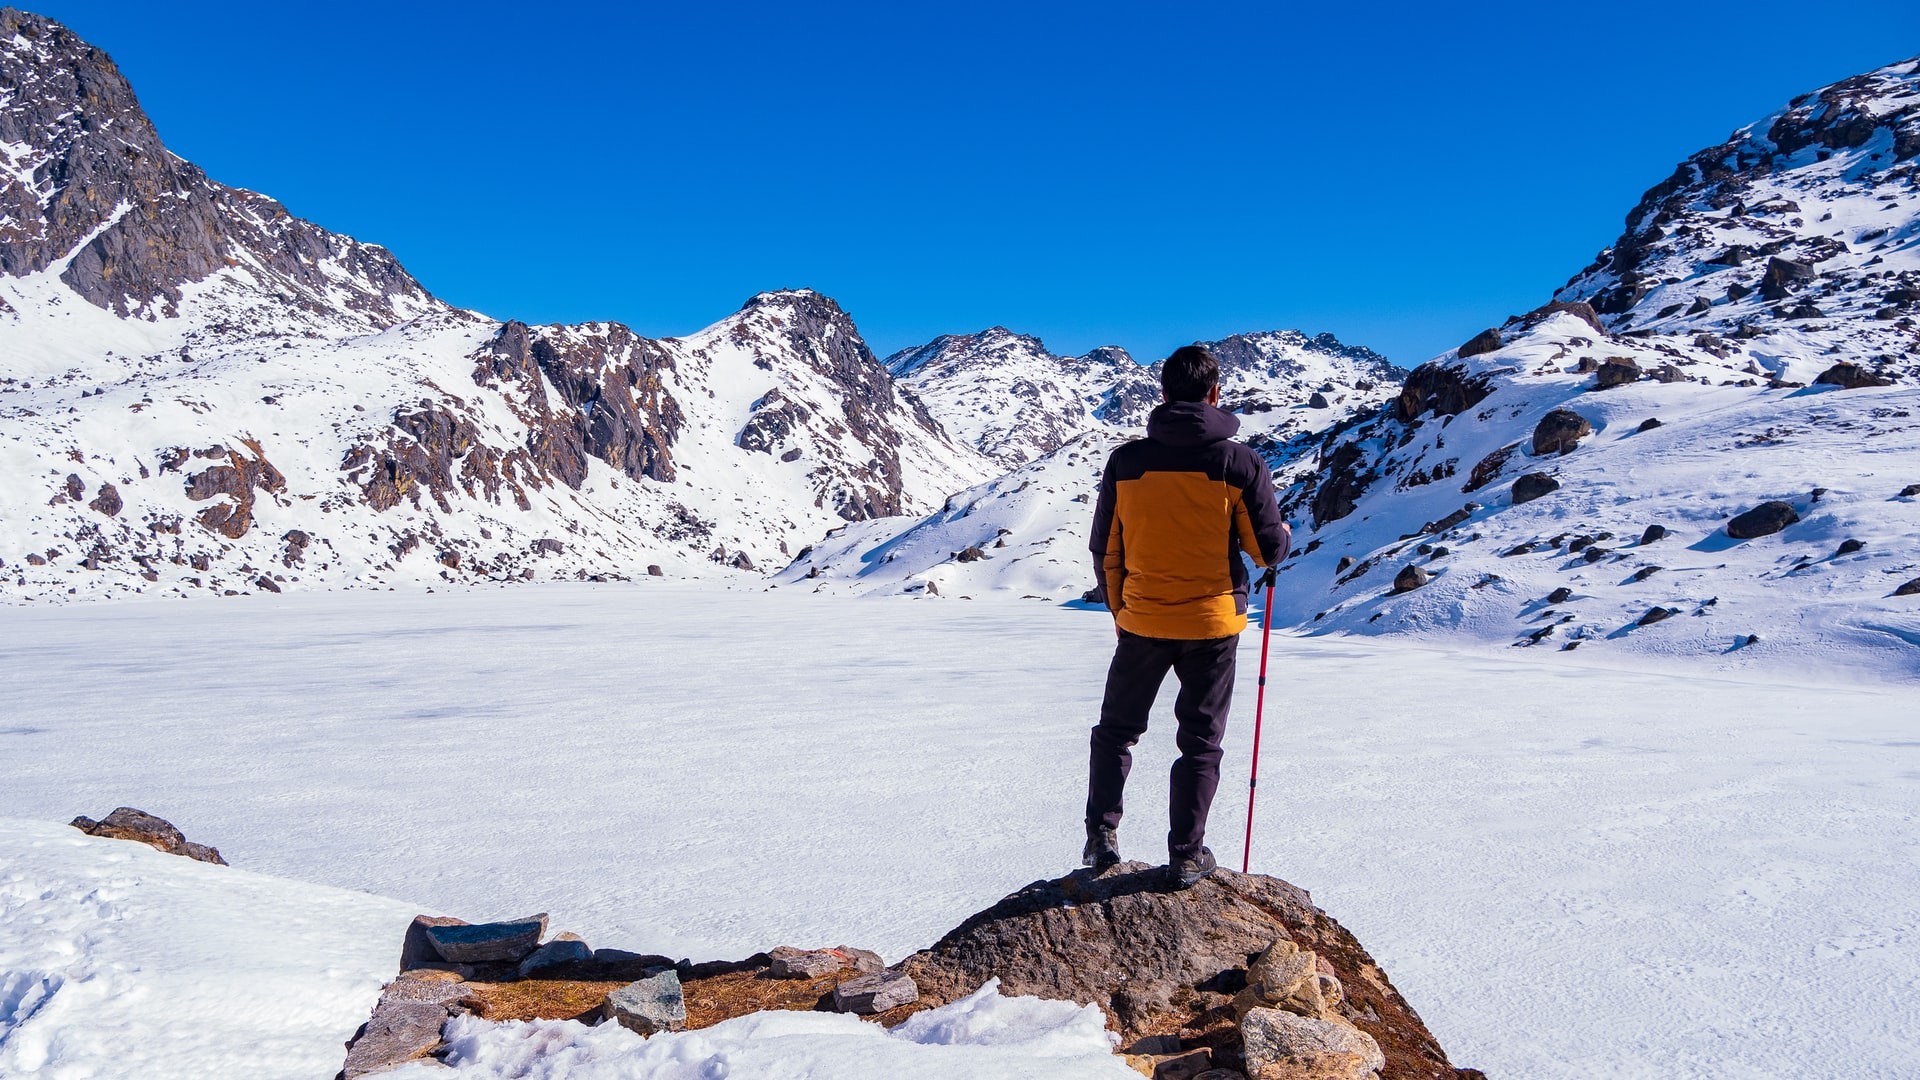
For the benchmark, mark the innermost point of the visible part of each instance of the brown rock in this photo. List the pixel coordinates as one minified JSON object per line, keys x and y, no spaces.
{"x":875,"y":993}
{"x":1850,"y":377}
{"x":398,"y":1033}
{"x":1123,"y":942}
{"x":1284,"y":1046}
{"x":1532,"y":486}
{"x":107,"y":501}
{"x":1911,"y":588}
{"x":1485,"y":341}
{"x":1411,"y":577}
{"x":1489,"y":467}
{"x":126,"y":823}
{"x":796,"y":964}
{"x":1560,"y":431}
{"x":1616,"y":371}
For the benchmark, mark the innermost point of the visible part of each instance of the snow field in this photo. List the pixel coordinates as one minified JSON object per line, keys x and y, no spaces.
{"x":1570,"y":869}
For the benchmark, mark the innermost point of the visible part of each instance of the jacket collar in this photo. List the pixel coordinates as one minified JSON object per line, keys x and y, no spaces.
{"x":1190,"y":423}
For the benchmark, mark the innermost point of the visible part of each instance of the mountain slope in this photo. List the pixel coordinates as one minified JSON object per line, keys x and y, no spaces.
{"x":1760,"y":309}
{"x":200,"y":391}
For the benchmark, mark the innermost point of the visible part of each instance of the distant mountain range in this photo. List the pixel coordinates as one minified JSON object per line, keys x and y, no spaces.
{"x":201,"y":392}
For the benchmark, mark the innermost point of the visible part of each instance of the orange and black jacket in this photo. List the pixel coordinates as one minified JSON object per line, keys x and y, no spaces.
{"x":1176,"y":510}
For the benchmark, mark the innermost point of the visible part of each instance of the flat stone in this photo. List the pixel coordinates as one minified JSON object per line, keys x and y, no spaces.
{"x":417,"y":952}
{"x":806,"y":965}
{"x":650,"y":1005}
{"x":1763,"y":520}
{"x":127,"y":823}
{"x":395,"y":1035}
{"x":1282,"y":1044}
{"x":876,"y":993}
{"x":864,"y":961}
{"x":564,"y":949}
{"x":478,"y":943}
{"x":442,"y":988}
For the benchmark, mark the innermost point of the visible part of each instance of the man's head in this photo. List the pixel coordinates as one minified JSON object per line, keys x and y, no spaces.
{"x":1191,"y":374}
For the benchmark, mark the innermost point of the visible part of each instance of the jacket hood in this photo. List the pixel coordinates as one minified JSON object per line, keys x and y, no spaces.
{"x":1190,"y":423}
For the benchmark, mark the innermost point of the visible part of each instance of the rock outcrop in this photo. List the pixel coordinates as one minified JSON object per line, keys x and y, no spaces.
{"x":1170,"y":963}
{"x":126,"y":823}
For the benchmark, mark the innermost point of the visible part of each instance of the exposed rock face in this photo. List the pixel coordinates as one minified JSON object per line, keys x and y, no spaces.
{"x":1850,"y":377}
{"x":238,"y":480}
{"x":1485,"y":341}
{"x":1616,"y":371}
{"x":1446,"y":389}
{"x":613,"y":401}
{"x":126,"y":823}
{"x":1166,"y":962}
{"x":157,"y":223}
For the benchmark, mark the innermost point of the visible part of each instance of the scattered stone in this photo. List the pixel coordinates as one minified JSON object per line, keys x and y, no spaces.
{"x":1750,"y":639}
{"x":1560,"y":595}
{"x":970,"y":553}
{"x":1911,"y":588}
{"x":1523,"y":548}
{"x":1850,"y":377}
{"x":864,"y":961}
{"x":75,"y":489}
{"x":1283,"y":977}
{"x":653,"y":570}
{"x":1646,"y":572}
{"x":396,"y":1034}
{"x":107,"y":501}
{"x":563,"y":949}
{"x":1345,"y":564}
{"x":1185,"y":1066}
{"x":1450,"y":520}
{"x":1560,"y":431}
{"x":1411,"y":578}
{"x":478,"y":943}
{"x":443,"y":988}
{"x":1485,"y":341}
{"x":1657,"y":614}
{"x":1763,"y":520}
{"x":1281,"y":1045}
{"x":1532,"y":486}
{"x":1489,"y":467}
{"x":1649,"y":424}
{"x":1616,"y":371}
{"x":875,"y":993}
{"x":1849,"y":546}
{"x":1595,"y":553}
{"x":1654,"y":532}
{"x":789,"y":963}
{"x":126,"y":823}
{"x":650,"y":1005}
{"x":1319,"y":401}
{"x":1910,"y":491}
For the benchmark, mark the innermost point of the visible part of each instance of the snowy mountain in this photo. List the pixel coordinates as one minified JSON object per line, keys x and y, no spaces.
{"x":1009,"y":397}
{"x":201,"y":391}
{"x":1570,"y":479}
{"x":1025,"y":533}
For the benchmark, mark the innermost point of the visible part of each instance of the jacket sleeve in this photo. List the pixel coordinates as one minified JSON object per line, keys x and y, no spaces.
{"x":1262,"y":533}
{"x":1108,"y":567}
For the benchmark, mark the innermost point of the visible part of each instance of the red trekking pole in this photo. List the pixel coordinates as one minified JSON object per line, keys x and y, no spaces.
{"x":1259,"y":706}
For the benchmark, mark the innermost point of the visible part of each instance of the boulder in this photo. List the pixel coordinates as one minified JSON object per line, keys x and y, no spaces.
{"x":479,"y":943}
{"x":1560,"y":431}
{"x":650,"y":1005}
{"x":397,"y":1033}
{"x":1485,"y":341}
{"x":1654,"y":532}
{"x":1280,"y":1045}
{"x":1649,"y":424}
{"x":1532,"y":486}
{"x":1489,"y":467}
{"x":970,"y":553}
{"x":126,"y":823}
{"x":875,"y":993}
{"x":1910,"y":491}
{"x":864,"y":961}
{"x":1410,"y":578}
{"x":1763,"y":520}
{"x":789,"y":963}
{"x":1658,"y":614}
{"x":1286,"y":977}
{"x":1560,"y":595}
{"x":653,"y":570}
{"x":1911,"y":588}
{"x":563,"y":949}
{"x":1319,"y":401}
{"x":108,"y":501}
{"x":1850,"y":377}
{"x":1159,"y":961}
{"x":1616,"y":371}
{"x":1849,"y":546}
{"x":1646,"y":572}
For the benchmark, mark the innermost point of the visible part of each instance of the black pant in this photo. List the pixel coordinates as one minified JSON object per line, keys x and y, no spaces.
{"x":1140,"y":664}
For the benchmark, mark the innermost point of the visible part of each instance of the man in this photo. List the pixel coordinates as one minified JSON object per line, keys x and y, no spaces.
{"x":1176,"y":511}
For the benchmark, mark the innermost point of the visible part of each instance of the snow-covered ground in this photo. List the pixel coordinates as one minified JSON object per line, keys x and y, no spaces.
{"x":1570,"y":869}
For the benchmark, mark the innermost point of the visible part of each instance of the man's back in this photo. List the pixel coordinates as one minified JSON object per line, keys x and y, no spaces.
{"x":1176,"y":510}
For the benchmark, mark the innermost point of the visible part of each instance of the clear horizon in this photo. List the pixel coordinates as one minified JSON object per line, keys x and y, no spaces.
{"x":1088,"y":175}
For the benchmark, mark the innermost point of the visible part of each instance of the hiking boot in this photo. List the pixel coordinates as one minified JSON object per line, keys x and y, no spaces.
{"x":1184,"y":872}
{"x":1102,"y":850}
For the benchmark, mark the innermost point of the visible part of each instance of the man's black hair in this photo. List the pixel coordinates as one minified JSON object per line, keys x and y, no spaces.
{"x":1189,"y":373}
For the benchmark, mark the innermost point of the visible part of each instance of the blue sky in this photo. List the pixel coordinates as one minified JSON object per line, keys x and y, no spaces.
{"x":1401,"y":176}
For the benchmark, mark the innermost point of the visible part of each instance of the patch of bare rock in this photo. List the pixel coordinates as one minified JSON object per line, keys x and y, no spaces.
{"x":126,"y":823}
{"x":1240,"y":977}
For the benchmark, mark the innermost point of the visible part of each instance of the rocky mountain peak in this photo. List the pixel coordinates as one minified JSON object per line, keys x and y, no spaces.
{"x":1796,"y":223}
{"x":90,"y":191}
